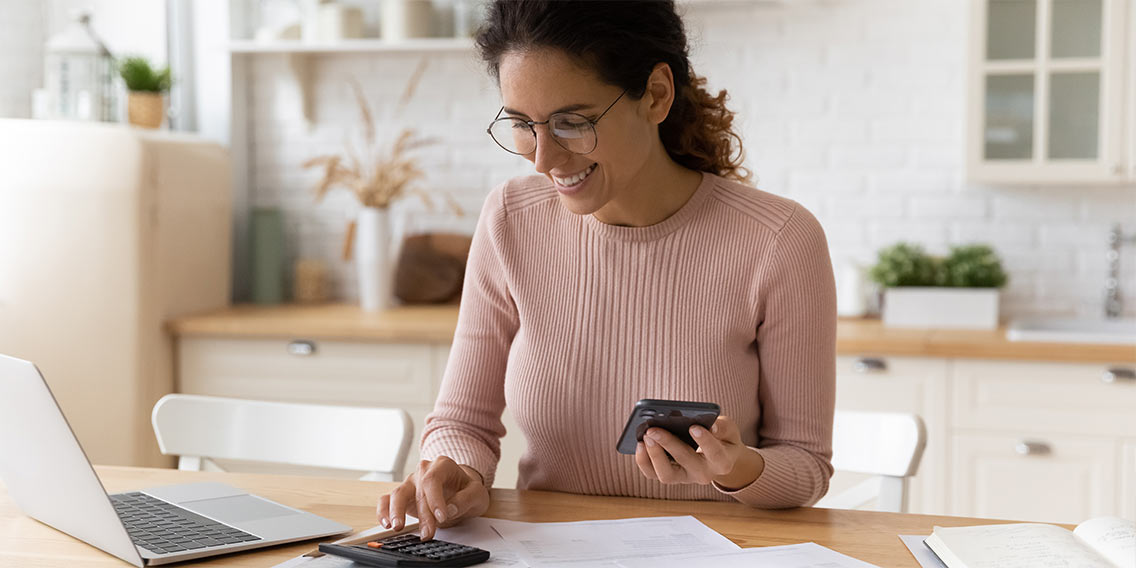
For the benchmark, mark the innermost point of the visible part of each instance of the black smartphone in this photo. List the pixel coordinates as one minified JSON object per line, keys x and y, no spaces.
{"x":675,"y":416}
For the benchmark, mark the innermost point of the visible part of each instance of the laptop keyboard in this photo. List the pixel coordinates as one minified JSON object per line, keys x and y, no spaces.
{"x":163,"y":527}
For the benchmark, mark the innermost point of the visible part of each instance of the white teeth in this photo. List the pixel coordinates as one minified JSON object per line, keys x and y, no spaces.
{"x":570,"y":181}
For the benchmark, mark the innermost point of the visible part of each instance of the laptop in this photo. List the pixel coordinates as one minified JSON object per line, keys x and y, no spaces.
{"x":48,"y":476}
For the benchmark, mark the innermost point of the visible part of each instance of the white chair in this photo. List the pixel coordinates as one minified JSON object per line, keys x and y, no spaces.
{"x":204,"y":429}
{"x":886,"y":445}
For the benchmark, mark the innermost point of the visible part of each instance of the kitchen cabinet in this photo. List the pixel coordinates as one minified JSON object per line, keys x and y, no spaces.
{"x":1038,"y":441}
{"x":1128,"y":479}
{"x":389,"y":374}
{"x":916,"y":385}
{"x":1049,"y":91}
{"x":1033,"y":476}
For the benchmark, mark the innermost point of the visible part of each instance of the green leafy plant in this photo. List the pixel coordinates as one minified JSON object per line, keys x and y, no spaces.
{"x":972,"y":266}
{"x":967,"y":266}
{"x":904,"y":264}
{"x":140,"y":76}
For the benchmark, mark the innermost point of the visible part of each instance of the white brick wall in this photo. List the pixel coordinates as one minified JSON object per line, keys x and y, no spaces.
{"x":855,"y":108}
{"x":21,"y":55}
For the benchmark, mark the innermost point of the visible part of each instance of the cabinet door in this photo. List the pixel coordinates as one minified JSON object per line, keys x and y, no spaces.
{"x":1128,"y":480}
{"x":1067,"y":398}
{"x":1047,"y":91}
{"x":901,"y":384}
{"x":1034,"y":477}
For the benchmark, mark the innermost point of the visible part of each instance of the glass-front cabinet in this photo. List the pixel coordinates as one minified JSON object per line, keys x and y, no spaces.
{"x":1050,"y":91}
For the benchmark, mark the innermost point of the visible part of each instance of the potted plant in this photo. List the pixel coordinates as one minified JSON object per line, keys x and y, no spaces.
{"x":147,"y":85}
{"x":958,"y":291}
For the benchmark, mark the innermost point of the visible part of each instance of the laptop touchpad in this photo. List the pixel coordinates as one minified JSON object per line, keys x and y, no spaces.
{"x":238,"y":509}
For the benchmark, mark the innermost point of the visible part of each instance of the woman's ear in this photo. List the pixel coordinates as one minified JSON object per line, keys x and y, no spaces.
{"x":660,"y":93}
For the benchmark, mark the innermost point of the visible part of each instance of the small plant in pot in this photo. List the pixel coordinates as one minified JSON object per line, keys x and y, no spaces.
{"x":147,"y":85}
{"x":956,"y":291}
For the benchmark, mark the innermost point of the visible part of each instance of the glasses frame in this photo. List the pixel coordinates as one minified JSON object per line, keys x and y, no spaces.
{"x":533,"y":123}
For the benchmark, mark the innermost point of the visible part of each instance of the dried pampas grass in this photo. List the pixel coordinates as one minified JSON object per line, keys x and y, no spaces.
{"x":378,"y":178}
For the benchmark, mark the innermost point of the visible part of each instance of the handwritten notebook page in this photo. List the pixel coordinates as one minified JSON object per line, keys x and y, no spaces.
{"x":1114,"y":538}
{"x":1017,"y":546}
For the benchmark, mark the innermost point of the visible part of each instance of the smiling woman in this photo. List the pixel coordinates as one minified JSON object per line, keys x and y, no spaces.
{"x":636,"y":264}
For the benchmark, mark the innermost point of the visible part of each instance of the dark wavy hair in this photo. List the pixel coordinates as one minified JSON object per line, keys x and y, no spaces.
{"x":622,"y":41}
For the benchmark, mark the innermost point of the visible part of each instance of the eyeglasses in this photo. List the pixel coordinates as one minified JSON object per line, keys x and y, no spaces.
{"x":573,"y":132}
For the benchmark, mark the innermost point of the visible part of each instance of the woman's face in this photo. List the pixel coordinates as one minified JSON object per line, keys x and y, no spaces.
{"x":538,"y":83}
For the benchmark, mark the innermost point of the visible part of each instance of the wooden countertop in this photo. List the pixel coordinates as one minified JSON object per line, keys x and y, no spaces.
{"x":435,"y":324}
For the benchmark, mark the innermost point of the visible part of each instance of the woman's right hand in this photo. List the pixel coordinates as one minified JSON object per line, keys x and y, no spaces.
{"x":440,"y":493}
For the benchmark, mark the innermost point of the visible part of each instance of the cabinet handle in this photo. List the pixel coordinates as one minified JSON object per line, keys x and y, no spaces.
{"x":1119,"y":374}
{"x":1032,"y":448}
{"x":870,"y":365}
{"x":302,"y":348}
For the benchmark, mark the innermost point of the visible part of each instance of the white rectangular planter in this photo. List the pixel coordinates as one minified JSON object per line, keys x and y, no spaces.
{"x":952,"y":308}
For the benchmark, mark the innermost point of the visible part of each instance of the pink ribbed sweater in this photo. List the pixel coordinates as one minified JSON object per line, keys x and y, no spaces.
{"x":570,"y":321}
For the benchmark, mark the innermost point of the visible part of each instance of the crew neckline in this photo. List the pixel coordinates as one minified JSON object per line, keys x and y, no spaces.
{"x":662,"y":228}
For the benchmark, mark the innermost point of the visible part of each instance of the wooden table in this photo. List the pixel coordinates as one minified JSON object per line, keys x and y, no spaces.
{"x":869,"y":536}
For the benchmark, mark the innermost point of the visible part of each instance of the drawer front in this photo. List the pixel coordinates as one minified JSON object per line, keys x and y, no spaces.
{"x":334,"y":372}
{"x":1055,"y":397}
{"x":1036,"y":477}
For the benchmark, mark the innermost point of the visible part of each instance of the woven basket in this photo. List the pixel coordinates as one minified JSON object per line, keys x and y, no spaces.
{"x":146,"y":109}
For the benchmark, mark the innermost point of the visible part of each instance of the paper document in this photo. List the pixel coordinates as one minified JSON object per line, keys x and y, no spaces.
{"x":574,"y":544}
{"x":602,"y":543}
{"x":804,"y":555}
{"x":922,"y":554}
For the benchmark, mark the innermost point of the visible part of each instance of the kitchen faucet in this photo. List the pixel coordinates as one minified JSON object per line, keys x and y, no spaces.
{"x":1113,"y":302}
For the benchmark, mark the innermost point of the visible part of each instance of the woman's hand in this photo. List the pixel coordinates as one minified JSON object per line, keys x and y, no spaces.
{"x":721,"y":456}
{"x":441,"y":493}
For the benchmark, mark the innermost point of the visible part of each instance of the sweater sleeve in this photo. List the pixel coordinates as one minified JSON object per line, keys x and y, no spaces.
{"x":466,"y":422}
{"x":796,"y":343}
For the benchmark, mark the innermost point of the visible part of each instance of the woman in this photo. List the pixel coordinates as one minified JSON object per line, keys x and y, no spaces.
{"x":635,"y":265}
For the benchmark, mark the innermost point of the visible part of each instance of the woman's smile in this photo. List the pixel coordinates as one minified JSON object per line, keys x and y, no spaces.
{"x":574,"y":182}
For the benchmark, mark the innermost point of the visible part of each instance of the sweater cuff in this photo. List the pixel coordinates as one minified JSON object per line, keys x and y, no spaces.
{"x":462,"y":451}
{"x":770,"y":490}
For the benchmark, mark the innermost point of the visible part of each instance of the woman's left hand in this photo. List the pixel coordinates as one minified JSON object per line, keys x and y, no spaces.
{"x":721,"y":456}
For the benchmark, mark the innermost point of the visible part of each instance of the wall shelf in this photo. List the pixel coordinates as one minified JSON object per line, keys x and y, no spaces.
{"x":426,"y":44}
{"x":299,"y":55}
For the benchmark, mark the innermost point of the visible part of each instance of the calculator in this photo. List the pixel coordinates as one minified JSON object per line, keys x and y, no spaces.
{"x":408,"y":550}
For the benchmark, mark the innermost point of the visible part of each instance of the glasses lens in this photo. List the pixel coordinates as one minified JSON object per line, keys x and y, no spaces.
{"x":513,"y":135}
{"x":574,"y":132}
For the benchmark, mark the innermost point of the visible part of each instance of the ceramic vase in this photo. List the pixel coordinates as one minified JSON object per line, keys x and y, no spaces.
{"x":373,"y":259}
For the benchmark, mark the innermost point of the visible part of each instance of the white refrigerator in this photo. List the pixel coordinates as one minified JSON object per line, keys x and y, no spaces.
{"x":106,"y":233}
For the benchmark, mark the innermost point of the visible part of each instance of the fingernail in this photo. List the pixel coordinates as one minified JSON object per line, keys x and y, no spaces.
{"x":398,"y":524}
{"x":714,"y":428}
{"x":452,"y":509}
{"x":650,"y":441}
{"x":697,"y":431}
{"x":386,"y":524}
{"x":438,"y":514}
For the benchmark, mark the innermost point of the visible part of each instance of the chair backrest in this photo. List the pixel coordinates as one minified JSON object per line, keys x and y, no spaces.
{"x":200,"y":428}
{"x":886,"y":445}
